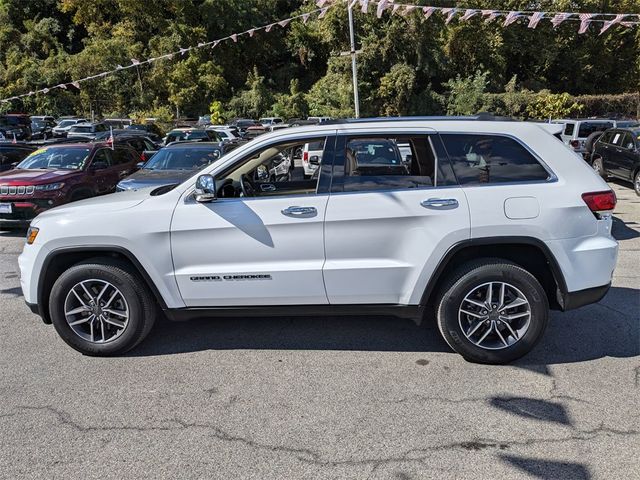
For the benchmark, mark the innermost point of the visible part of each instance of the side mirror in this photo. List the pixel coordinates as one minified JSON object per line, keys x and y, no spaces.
{"x":205,"y":189}
{"x":98,"y":166}
{"x":314,"y":160}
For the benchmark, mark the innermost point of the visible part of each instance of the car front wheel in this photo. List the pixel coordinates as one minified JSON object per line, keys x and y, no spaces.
{"x":492,"y":311}
{"x":636,"y":182}
{"x":101,"y":308}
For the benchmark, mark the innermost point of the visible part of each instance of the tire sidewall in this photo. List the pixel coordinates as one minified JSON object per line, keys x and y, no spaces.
{"x":600,"y":167}
{"x":527,"y":284}
{"x":636,"y":183}
{"x":123,"y":283}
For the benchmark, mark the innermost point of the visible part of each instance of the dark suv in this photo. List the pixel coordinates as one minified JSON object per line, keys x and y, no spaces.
{"x":16,"y":126}
{"x":617,"y":154}
{"x":59,"y":174}
{"x":13,"y":153}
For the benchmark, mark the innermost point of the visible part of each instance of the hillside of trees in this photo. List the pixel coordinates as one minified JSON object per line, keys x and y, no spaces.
{"x":408,"y":65}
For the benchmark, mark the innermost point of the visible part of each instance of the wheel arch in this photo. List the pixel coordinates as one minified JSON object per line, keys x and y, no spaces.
{"x":59,"y":260}
{"x":528,"y":252}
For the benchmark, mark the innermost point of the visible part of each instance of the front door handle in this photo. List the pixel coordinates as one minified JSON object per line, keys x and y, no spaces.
{"x":300,"y":212}
{"x":442,"y":203}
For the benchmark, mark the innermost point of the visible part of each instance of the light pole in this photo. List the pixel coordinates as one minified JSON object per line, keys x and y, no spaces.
{"x":354,"y":53}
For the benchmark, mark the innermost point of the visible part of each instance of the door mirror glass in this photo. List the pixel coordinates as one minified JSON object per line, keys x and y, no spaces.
{"x":98,"y":165}
{"x":205,"y":189}
{"x":314,"y":160}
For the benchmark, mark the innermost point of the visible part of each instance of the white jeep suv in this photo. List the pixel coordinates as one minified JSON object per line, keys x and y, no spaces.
{"x":485,"y":224}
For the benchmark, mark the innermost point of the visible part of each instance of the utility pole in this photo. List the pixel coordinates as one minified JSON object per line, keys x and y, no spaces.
{"x":354,"y":53}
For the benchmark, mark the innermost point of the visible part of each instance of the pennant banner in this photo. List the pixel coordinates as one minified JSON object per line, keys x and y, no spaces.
{"x":607,"y":20}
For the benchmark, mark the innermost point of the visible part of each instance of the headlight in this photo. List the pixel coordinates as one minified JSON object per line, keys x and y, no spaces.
{"x":32,"y":233}
{"x":49,"y":187}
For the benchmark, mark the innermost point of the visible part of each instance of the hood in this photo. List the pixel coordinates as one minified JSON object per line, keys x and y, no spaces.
{"x":20,"y":176}
{"x":154,"y":178}
{"x":96,"y":205}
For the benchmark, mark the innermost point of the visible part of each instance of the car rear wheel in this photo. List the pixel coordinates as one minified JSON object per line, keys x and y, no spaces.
{"x":492,"y":311}
{"x":636,"y":182}
{"x":100,"y":308}
{"x":598,"y":167}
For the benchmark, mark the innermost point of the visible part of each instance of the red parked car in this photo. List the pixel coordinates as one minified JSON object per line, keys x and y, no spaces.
{"x":59,"y":174}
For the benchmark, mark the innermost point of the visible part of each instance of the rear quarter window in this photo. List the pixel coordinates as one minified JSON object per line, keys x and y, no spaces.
{"x":587,"y":128}
{"x":492,"y":159}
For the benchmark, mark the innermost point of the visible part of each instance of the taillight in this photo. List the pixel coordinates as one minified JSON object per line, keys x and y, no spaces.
{"x":143,"y":157}
{"x":575,"y":143}
{"x":305,"y":156}
{"x":600,"y":201}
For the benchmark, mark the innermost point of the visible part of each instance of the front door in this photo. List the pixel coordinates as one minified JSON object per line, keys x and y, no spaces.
{"x":394,"y":211}
{"x":262,"y":241}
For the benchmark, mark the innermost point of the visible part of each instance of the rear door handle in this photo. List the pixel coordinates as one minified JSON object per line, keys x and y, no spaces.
{"x":442,"y":203}
{"x":300,"y":212}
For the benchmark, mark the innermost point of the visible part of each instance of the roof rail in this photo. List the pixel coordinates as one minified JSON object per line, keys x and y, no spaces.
{"x":482,"y":116}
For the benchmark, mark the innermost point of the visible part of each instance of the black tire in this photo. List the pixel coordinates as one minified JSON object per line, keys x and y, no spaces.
{"x":636,"y":182}
{"x":598,"y":167}
{"x":142,"y":306}
{"x":473,"y":275}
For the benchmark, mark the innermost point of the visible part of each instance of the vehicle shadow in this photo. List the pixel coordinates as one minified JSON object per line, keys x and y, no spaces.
{"x":609,"y":328}
{"x":622,"y":230}
{"x":355,"y":333}
{"x":581,"y":335}
{"x":538,"y":468}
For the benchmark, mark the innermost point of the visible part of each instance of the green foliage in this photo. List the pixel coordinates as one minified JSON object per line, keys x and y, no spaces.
{"x":407,"y":66}
{"x":549,"y":105}
{"x":215,"y":109}
{"x":466,"y":94}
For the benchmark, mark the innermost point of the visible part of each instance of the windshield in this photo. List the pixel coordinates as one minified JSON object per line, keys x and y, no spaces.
{"x":56,"y":159}
{"x":67,"y":123}
{"x":183,"y":158}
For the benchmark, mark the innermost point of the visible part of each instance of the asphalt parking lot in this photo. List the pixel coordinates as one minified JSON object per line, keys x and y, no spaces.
{"x":377,"y":398}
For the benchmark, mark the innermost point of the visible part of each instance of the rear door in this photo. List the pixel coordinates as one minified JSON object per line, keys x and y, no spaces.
{"x":627,"y":156}
{"x":394,"y":211}
{"x":613,"y":162}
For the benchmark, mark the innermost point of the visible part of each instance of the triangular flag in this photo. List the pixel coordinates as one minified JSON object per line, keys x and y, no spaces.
{"x":305,"y":18}
{"x":585,"y":20}
{"x":535,"y":19}
{"x":490,"y":14}
{"x":511,"y":17}
{"x":269,"y":27}
{"x":76,"y":84}
{"x":382,"y":4}
{"x":365,"y":6}
{"x":234,"y":37}
{"x":62,"y":86}
{"x":428,"y":11}
{"x":323,"y":12}
{"x":450,"y":13}
{"x":251,"y":32}
{"x":468,"y":13}
{"x":610,"y":23}
{"x":559,"y":18}
{"x":184,"y":50}
{"x":135,"y":61}
{"x":284,"y":23}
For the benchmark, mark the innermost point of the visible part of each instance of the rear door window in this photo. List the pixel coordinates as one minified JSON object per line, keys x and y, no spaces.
{"x":587,"y":128}
{"x":387,"y":163}
{"x":121,"y":156}
{"x":479,"y":159}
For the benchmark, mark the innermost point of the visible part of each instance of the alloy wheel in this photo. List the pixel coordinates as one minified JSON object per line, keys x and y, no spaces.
{"x":96,"y":311}
{"x":494,"y":315}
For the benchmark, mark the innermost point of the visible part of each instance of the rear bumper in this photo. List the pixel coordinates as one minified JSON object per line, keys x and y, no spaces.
{"x":573,"y":300}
